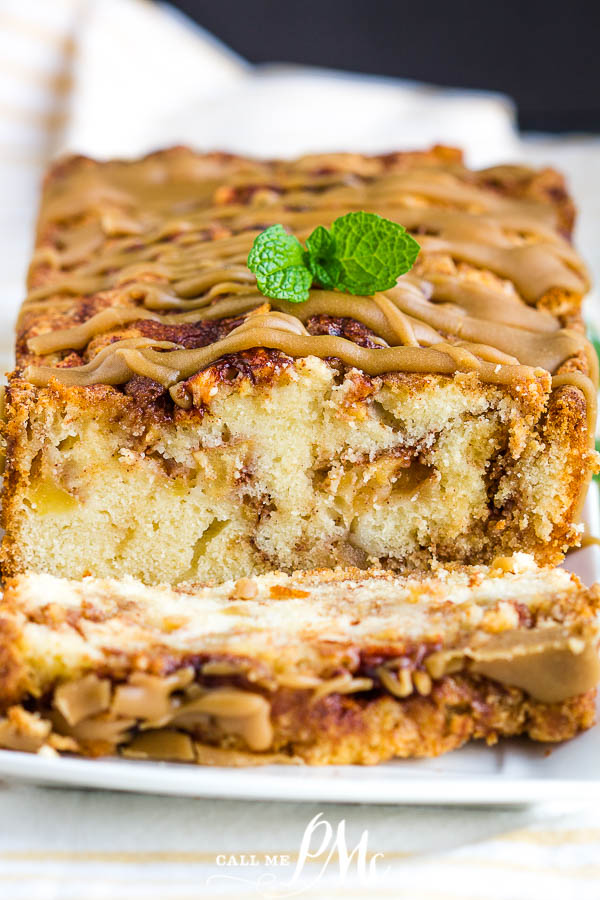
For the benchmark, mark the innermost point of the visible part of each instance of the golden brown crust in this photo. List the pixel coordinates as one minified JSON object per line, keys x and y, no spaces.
{"x":345,"y":730}
{"x":13,"y":674}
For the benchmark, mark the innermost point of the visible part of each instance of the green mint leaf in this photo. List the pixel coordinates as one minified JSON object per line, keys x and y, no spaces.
{"x":321,"y":257}
{"x":362,"y":253}
{"x":369,"y":253}
{"x":278,"y":260}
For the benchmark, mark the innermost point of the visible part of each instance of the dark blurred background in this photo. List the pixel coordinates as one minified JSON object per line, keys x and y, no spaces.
{"x":545,"y":55}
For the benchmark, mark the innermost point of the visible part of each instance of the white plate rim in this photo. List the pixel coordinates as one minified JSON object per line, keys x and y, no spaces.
{"x":325,"y":784}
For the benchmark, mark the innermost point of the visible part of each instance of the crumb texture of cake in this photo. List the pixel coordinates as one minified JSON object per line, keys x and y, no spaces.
{"x":331,"y":666}
{"x":167,"y":422}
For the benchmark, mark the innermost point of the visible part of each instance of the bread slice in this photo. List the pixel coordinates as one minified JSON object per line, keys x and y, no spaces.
{"x":323,"y":667}
{"x":449,"y":418}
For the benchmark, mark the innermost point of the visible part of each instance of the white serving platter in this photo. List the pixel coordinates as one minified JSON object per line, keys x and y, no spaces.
{"x":512,"y":772}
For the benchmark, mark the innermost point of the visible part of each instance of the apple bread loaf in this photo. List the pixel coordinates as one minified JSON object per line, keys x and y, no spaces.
{"x":167,"y":421}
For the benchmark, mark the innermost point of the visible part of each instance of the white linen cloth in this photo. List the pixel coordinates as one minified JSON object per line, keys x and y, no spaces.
{"x":124,"y":77}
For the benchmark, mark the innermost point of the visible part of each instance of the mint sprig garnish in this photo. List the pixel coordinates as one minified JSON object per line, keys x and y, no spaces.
{"x":278,"y":261}
{"x":361,"y":253}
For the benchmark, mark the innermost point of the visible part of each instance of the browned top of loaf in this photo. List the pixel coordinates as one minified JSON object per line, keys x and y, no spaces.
{"x":166,"y":237}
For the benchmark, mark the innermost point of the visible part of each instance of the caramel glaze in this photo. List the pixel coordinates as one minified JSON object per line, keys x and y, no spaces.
{"x":170,"y":244}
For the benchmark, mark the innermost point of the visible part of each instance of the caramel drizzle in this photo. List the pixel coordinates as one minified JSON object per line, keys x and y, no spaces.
{"x":153,"y":242}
